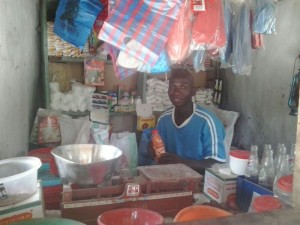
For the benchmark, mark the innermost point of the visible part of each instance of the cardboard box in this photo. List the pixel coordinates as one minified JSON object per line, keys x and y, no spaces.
{"x":145,"y":122}
{"x":145,"y":118}
{"x":32,"y":207}
{"x":219,"y":187}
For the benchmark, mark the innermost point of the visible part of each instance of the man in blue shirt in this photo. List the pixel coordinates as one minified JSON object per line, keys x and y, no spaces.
{"x":192,"y":135}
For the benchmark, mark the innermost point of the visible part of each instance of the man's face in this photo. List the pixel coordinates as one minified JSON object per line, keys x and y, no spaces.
{"x":180,"y":90}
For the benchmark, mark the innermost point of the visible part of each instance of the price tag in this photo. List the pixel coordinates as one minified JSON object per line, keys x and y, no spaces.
{"x":198,"y":5}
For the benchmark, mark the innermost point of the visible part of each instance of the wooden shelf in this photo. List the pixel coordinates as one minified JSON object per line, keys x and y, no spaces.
{"x":63,"y":59}
{"x":76,"y":114}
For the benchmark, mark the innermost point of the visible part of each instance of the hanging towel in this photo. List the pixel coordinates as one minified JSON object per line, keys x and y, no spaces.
{"x":146,"y":21}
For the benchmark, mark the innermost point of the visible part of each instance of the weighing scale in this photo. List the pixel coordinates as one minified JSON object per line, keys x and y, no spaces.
{"x":165,"y":189}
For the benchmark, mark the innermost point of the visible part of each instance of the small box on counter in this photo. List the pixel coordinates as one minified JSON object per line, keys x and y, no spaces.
{"x":32,"y":207}
{"x":219,"y":187}
{"x":245,"y":190}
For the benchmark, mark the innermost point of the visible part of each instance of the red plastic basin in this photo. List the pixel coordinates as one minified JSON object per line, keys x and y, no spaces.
{"x":130,"y":216}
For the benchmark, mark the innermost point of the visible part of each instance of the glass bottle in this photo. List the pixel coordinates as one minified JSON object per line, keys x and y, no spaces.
{"x":292,"y":157}
{"x":281,"y":151}
{"x":252,"y":169}
{"x":282,"y":187}
{"x":283,"y":168}
{"x":267,"y":173}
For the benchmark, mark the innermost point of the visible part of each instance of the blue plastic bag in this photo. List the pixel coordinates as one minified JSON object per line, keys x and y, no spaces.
{"x":264,"y":18}
{"x":74,"y":20}
{"x":144,"y":158}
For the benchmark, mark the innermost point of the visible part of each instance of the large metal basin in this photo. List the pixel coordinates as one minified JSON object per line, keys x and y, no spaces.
{"x":86,"y":164}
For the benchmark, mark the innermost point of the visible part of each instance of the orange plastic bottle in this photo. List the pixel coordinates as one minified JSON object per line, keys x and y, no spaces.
{"x":158,"y":144}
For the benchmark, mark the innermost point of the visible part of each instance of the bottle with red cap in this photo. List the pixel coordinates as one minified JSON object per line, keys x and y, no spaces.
{"x":158,"y":144}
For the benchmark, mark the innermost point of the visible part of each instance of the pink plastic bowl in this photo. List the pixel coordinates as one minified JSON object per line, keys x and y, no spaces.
{"x":130,"y":216}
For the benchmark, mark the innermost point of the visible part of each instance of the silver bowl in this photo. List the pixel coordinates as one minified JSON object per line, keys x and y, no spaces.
{"x":86,"y":164}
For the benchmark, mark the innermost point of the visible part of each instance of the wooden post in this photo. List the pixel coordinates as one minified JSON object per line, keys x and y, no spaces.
{"x":296,"y":178}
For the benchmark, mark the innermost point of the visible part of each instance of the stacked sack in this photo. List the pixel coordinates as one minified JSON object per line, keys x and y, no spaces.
{"x":157,"y":94}
{"x":78,"y":99}
{"x":204,"y":96}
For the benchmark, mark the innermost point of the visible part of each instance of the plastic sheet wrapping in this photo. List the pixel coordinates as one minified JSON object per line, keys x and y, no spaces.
{"x":126,"y":141}
{"x":242,"y":51}
{"x":147,"y":22}
{"x":178,"y":43}
{"x":121,"y":72}
{"x":74,"y":20}
{"x":225,"y":52}
{"x":198,"y":60}
{"x":256,"y":38}
{"x":208,"y":27}
{"x":264,"y":18}
{"x":127,"y":61}
{"x":161,"y":66}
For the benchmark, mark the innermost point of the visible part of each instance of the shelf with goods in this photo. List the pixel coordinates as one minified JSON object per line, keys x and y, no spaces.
{"x":64,"y":68}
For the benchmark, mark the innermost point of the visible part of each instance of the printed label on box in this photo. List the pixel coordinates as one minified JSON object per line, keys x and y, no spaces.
{"x":218,"y":189}
{"x":32,"y":207}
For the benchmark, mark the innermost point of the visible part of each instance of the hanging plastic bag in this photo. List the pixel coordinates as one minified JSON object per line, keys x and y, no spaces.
{"x":126,"y":142}
{"x":74,"y":20}
{"x":120,"y":72}
{"x":198,"y":60}
{"x":208,"y":26}
{"x":256,"y":38}
{"x":147,"y":22}
{"x":144,"y":157}
{"x":178,"y":43}
{"x":264,"y":18}
{"x":242,"y":50}
{"x":127,"y":61}
{"x":226,"y":51}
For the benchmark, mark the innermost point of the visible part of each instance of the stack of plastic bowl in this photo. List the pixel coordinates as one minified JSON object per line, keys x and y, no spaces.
{"x":18,"y":179}
{"x":132,"y":216}
{"x":200,"y":212}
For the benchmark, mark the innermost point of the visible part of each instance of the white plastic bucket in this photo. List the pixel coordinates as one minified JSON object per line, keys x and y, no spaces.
{"x":238,"y":160}
{"x":18,"y":179}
